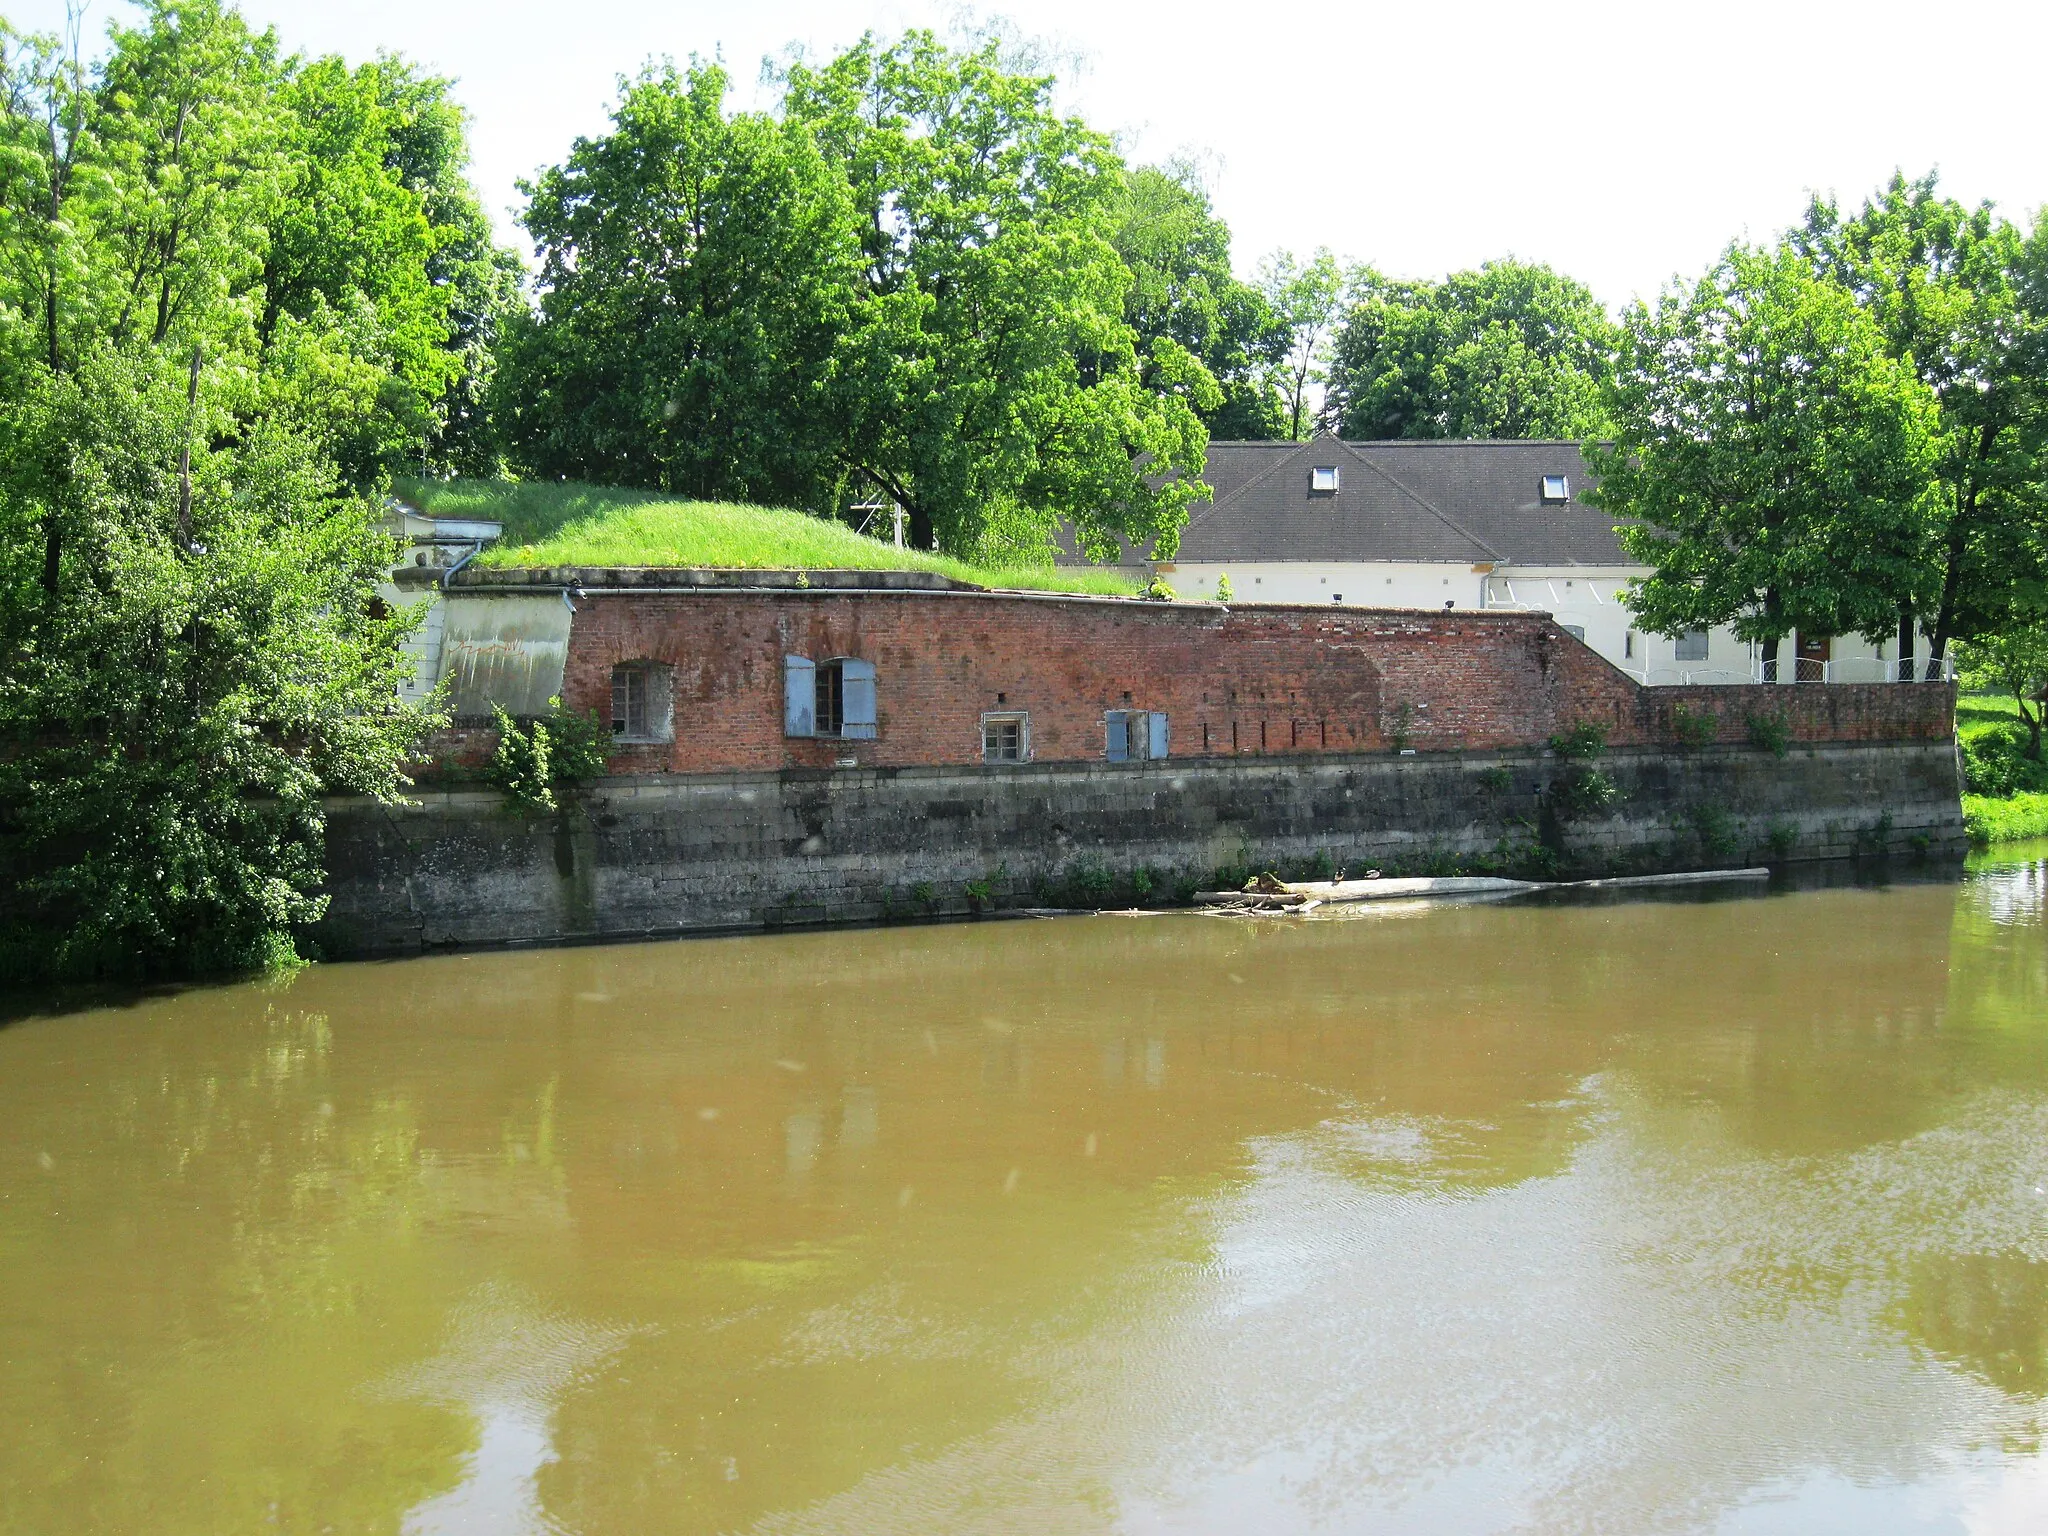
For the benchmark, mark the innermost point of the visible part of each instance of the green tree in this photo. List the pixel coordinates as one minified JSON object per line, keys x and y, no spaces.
{"x":1954,"y":291}
{"x":191,"y":648}
{"x":1307,"y":298}
{"x":1183,"y":289}
{"x":427,"y":148}
{"x":697,"y":274}
{"x":210,"y":661}
{"x":2013,"y":662}
{"x":1772,"y":461}
{"x":380,"y":235}
{"x":989,"y":374}
{"x":134,"y":196}
{"x":193,"y":188}
{"x":1511,"y":350}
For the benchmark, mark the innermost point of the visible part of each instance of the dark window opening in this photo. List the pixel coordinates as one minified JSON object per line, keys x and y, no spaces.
{"x":831,"y":716}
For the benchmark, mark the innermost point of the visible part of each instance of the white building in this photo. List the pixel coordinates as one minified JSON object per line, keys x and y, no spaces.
{"x":1456,"y":524}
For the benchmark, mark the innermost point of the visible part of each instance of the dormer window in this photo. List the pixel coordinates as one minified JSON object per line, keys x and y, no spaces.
{"x":1556,"y":488}
{"x":1322,"y":480}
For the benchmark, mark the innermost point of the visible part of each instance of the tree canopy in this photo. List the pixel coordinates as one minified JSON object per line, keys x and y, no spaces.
{"x":1306,"y":297}
{"x":1510,"y":350}
{"x":1957,"y":294}
{"x":696,"y":282}
{"x":1771,"y":460}
{"x":227,"y":306}
{"x":945,"y":325}
{"x":1184,"y":290}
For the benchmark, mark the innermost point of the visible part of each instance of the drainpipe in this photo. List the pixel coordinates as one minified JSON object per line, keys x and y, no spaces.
{"x":468,"y":555}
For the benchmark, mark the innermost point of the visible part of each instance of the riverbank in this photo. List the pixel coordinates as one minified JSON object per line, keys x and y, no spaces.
{"x":1989,"y":819}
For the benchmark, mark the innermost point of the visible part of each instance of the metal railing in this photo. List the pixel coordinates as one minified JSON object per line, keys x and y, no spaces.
{"x":1849,"y":669}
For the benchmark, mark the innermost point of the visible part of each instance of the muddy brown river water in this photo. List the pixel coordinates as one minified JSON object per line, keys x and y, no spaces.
{"x":1704,"y":1213}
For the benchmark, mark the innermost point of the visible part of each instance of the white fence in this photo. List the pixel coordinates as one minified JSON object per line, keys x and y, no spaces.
{"x":1850,"y":669}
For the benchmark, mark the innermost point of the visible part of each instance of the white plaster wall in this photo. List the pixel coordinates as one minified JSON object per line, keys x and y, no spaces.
{"x":1588,"y":599}
{"x":424,"y":645}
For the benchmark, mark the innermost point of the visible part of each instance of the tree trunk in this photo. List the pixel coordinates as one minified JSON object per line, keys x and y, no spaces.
{"x":1952,"y":577}
{"x":1905,"y":643}
{"x":185,"y":458}
{"x":53,"y":554}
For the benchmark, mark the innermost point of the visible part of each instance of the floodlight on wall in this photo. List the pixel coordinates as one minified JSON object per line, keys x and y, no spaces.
{"x":1322,"y":480}
{"x":1557,"y":488}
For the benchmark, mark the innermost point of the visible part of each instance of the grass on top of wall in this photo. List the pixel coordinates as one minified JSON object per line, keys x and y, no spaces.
{"x":565,"y":523}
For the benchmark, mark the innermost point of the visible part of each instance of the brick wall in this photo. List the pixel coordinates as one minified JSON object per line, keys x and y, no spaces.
{"x":1252,"y":680}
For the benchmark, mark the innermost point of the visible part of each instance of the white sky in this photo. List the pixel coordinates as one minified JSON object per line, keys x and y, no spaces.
{"x":1620,"y":142}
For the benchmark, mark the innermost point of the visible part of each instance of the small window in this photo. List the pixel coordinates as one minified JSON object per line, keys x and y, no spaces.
{"x":828,"y":698}
{"x":1557,"y":488}
{"x":1322,"y":480}
{"x":1336,"y":597}
{"x":1691,"y":646}
{"x":640,"y":702}
{"x":1576,"y":631}
{"x":1628,"y":646}
{"x":1006,"y":738}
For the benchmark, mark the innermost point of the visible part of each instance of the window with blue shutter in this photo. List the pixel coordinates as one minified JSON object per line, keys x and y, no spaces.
{"x":828,"y":698}
{"x":857,"y":699}
{"x":799,"y":696}
{"x":1134,"y":735}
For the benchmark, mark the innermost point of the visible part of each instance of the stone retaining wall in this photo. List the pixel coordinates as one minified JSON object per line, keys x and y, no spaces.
{"x":703,"y":852}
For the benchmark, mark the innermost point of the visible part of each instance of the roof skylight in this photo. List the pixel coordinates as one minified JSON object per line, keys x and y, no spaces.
{"x":1323,"y":479}
{"x":1557,"y":488}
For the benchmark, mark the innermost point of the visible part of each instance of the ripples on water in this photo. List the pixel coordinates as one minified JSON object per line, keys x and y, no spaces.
{"x":1687,"y":1215}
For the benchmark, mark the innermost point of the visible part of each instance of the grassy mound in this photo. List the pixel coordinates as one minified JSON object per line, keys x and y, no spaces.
{"x":569,"y":524}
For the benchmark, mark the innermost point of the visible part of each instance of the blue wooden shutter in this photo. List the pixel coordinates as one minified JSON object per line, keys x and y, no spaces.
{"x":799,"y":696}
{"x":857,"y":681}
{"x":1116,"y":730}
{"x":1158,"y":743}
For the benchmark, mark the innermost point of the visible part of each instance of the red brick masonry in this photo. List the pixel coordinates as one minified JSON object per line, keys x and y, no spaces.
{"x":1244,"y":679}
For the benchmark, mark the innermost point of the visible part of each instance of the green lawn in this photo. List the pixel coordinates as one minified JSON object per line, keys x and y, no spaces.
{"x":2008,"y":792}
{"x":2005,"y":821}
{"x":564,"y":523}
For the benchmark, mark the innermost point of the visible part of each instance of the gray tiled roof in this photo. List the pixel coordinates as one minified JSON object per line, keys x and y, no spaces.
{"x":1467,"y":501}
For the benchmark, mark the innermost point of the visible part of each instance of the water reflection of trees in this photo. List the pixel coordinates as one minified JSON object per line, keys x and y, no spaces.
{"x":1987,"y":1312}
{"x":870,"y":1196}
